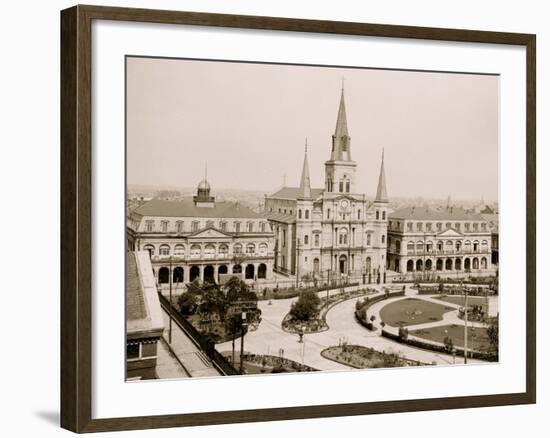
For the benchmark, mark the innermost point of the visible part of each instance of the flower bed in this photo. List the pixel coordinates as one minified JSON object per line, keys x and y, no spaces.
{"x":293,"y":292}
{"x":415,"y":342}
{"x":358,"y":356}
{"x":264,"y":364}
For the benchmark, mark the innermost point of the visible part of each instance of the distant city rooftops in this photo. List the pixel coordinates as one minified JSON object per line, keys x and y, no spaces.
{"x":187,"y":208}
{"x":294,"y":193}
{"x":427,"y":213}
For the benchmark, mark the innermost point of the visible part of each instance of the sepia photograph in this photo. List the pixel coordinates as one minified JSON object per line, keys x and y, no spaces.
{"x":287,"y":218}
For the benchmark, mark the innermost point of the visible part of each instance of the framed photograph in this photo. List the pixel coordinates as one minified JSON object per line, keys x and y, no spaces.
{"x":272,"y":218}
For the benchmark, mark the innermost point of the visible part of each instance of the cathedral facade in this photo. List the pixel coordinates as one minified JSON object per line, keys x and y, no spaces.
{"x":334,"y":231}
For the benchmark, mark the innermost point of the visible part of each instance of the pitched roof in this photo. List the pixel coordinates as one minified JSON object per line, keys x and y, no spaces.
{"x":280,"y":217}
{"x":294,"y":193}
{"x":381,"y":192}
{"x":135,"y":304}
{"x":426,"y":213}
{"x":187,"y":208}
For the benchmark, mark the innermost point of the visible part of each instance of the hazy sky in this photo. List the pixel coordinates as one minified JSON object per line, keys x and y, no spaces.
{"x":249,"y":123}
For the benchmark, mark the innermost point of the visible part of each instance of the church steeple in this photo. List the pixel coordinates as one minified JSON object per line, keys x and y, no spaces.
{"x":305,"y":184}
{"x":341,"y":138}
{"x":381,"y":192}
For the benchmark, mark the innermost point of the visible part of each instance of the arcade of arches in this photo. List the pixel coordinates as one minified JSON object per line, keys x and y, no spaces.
{"x":207,"y":272}
{"x":448,"y":264}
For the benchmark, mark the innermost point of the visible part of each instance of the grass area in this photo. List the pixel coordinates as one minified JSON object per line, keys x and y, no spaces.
{"x":459,"y":300}
{"x":477,"y":337}
{"x":411,"y":311}
{"x":358,"y":356}
{"x":266,"y":364}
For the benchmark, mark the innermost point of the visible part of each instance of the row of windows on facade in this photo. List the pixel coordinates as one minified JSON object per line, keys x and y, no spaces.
{"x":196,"y":250}
{"x":342,"y":238}
{"x":343,"y":215}
{"x":448,"y":245}
{"x":343,"y":185}
{"x":421,"y":226}
{"x":196,"y":226}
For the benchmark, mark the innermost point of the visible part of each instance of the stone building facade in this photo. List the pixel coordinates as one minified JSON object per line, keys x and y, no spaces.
{"x":202,"y":238}
{"x":334,"y":231}
{"x":447,"y":242}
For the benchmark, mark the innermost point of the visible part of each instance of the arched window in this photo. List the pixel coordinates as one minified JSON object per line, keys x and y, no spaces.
{"x":341,"y":186}
{"x":449,"y":246}
{"x":179,"y":249}
{"x":150,"y":249}
{"x":458,"y":245}
{"x":262,"y":227}
{"x":306,"y":239}
{"x":316,"y":239}
{"x":383,"y":238}
{"x":440,"y":245}
{"x":195,"y":251}
{"x":368,"y":239}
{"x":307,"y":214}
{"x":262,"y":269}
{"x":377,"y":215}
{"x":299,"y":214}
{"x":383,"y":215}
{"x":410,"y":247}
{"x":250,"y":227}
{"x":438,"y":226}
{"x":484,"y":246}
{"x":358,"y":214}
{"x":343,"y":238}
{"x":429,"y":246}
{"x":177,"y":275}
{"x":237,"y":248}
{"x":263,"y":249}
{"x":223,"y":250}
{"x":316,"y":266}
{"x":467,"y":246}
{"x":209,"y":251}
{"x":483,"y":263}
{"x":476,"y":245}
{"x":164,"y":275}
{"x":164,"y":250}
{"x":250,"y":248}
{"x":347,"y":186}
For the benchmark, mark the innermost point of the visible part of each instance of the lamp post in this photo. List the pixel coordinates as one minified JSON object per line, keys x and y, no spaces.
{"x":170,"y":312}
{"x":243,"y":325}
{"x":465,"y":290}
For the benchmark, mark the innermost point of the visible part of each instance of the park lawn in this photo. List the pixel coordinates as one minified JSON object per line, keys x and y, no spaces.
{"x":458,"y":299}
{"x":412,"y":311}
{"x":477,"y":337}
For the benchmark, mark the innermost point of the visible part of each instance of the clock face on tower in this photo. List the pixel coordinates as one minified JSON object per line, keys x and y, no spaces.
{"x":344,"y":204}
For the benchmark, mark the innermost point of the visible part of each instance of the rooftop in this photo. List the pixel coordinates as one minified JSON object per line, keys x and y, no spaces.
{"x":143,"y":313}
{"x":294,"y":193}
{"x":280,"y":217}
{"x":427,"y":213}
{"x":187,"y":208}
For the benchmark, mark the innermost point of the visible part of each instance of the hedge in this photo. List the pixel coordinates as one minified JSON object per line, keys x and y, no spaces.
{"x":490,"y":357}
{"x":370,"y":301}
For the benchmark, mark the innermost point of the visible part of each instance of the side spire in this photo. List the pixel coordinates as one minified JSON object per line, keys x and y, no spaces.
{"x":305,"y":185}
{"x":381,"y":192}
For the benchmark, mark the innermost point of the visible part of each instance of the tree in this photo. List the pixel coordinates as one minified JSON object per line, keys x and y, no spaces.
{"x":492,"y":333}
{"x":449,"y":345}
{"x":187,"y":303}
{"x":403,"y":333}
{"x":306,"y":307}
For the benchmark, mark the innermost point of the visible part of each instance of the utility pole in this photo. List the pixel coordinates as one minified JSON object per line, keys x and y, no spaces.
{"x":243,"y":325}
{"x":170,"y":308}
{"x":465,"y":324}
{"x":297,"y":263}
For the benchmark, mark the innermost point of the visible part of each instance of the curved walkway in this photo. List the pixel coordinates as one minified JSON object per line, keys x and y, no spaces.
{"x":270,"y":338}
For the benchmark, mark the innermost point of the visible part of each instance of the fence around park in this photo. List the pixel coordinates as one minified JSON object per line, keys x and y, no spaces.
{"x":200,"y":341}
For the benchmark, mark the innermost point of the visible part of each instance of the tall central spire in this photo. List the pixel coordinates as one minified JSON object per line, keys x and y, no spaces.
{"x":381,"y":192}
{"x":341,"y":138}
{"x":305,"y":185}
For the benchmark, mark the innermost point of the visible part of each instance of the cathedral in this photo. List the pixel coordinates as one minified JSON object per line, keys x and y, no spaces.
{"x":334,"y":231}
